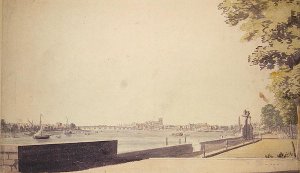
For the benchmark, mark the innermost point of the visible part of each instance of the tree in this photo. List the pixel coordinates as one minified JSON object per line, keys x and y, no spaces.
{"x":271,"y":118}
{"x":277,"y":24}
{"x":72,"y":126}
{"x":282,"y":88}
{"x":14,"y":128}
{"x":3,"y":126}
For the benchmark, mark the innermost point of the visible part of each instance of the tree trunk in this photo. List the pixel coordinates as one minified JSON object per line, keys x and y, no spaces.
{"x":297,"y":101}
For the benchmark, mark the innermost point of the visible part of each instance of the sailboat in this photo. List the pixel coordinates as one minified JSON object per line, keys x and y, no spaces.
{"x":68,"y":131}
{"x":39,"y":134}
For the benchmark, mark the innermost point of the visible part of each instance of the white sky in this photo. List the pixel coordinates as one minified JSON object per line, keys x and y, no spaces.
{"x":113,"y":62}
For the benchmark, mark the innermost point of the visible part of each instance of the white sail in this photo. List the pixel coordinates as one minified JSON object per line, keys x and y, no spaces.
{"x":40,"y":132}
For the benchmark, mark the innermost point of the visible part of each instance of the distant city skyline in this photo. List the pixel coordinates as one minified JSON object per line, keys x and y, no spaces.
{"x":112,"y":62}
{"x":30,"y":121}
{"x":155,"y":123}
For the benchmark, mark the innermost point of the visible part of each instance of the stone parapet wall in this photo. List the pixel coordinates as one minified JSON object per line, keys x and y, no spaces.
{"x":64,"y":156}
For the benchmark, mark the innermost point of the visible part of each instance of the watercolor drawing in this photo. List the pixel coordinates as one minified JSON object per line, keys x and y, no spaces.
{"x":150,"y":86}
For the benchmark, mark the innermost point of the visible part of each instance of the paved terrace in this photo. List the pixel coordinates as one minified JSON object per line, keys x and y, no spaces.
{"x":249,"y":158}
{"x":271,"y":147}
{"x":196,"y":165}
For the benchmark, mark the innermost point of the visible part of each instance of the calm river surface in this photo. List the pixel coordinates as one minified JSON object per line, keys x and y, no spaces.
{"x":128,"y":140}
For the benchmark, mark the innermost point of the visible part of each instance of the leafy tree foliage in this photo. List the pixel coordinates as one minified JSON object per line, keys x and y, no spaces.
{"x":284,"y":84}
{"x":270,"y":117}
{"x":277,"y":24}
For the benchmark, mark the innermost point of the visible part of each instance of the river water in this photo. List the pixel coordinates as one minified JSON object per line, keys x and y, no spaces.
{"x":128,"y":140}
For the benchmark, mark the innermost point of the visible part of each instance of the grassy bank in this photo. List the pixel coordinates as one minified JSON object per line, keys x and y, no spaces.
{"x":271,"y":147}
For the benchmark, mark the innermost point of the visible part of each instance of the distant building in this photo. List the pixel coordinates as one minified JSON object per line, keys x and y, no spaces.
{"x":151,"y":125}
{"x":160,"y":120}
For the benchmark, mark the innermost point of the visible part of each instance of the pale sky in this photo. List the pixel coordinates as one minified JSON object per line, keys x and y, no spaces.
{"x":122,"y":61}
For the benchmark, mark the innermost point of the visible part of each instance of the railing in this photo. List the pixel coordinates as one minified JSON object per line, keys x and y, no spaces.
{"x":9,"y":159}
{"x":221,"y":144}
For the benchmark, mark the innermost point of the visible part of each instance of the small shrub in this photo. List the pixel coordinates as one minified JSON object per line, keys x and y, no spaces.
{"x":285,"y":155}
{"x":268,"y":156}
{"x":281,"y":155}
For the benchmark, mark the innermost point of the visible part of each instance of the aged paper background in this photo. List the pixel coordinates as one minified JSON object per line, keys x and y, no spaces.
{"x":128,"y":61}
{"x":114,"y":62}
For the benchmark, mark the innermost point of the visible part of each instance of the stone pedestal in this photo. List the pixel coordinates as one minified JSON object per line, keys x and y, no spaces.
{"x":248,"y":132}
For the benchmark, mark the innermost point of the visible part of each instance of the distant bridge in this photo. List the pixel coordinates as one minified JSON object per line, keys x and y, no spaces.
{"x":106,"y":127}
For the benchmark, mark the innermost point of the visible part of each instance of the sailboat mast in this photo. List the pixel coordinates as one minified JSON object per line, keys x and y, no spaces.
{"x":41,"y":125}
{"x":67,"y":123}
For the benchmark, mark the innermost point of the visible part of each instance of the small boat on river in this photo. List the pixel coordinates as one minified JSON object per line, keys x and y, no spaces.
{"x":68,"y":130}
{"x":39,"y":134}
